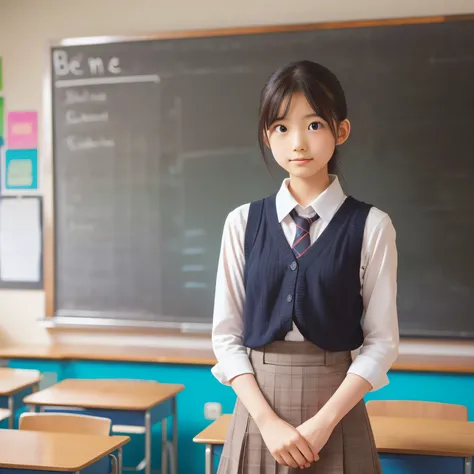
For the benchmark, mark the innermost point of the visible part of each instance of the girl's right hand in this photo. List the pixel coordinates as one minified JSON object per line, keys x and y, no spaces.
{"x":286,"y":444}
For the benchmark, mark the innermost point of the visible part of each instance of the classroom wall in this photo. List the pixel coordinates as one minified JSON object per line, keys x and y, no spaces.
{"x":26,"y":26}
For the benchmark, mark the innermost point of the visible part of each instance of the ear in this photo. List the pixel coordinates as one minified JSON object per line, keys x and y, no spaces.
{"x":265,"y":138}
{"x":343,"y":132}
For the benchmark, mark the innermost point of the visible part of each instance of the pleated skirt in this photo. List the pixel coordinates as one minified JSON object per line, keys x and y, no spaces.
{"x":297,"y":379}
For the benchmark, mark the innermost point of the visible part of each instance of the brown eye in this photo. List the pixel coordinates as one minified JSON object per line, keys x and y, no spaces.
{"x":315,"y":125}
{"x":280,"y":129}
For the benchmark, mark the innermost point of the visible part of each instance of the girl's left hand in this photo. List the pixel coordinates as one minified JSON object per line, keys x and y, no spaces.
{"x":317,"y":432}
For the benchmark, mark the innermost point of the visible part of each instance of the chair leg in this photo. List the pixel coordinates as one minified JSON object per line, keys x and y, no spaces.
{"x":115,"y":464}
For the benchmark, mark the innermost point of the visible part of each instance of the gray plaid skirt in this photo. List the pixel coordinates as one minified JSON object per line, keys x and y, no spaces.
{"x":297,"y":379}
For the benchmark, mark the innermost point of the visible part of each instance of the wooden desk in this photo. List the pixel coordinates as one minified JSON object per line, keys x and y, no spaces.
{"x":216,"y":432}
{"x":125,"y":402}
{"x":213,"y":436}
{"x":425,"y":437}
{"x":392,"y":435}
{"x":14,"y":385}
{"x":64,"y":452}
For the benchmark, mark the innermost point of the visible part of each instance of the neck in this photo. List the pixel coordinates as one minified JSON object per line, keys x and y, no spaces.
{"x":306,"y":190}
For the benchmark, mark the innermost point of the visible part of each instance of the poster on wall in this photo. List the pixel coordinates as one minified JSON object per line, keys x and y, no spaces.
{"x":21,"y":170}
{"x":22,"y":130}
{"x":2,"y":108}
{"x":20,"y":242}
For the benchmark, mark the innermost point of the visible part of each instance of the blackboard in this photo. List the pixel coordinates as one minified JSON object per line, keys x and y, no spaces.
{"x":154,"y":142}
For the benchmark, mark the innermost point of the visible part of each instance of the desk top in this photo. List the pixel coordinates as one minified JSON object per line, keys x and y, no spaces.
{"x":392,"y":435}
{"x":4,"y":414}
{"x":14,"y":380}
{"x":423,"y":436}
{"x":108,"y":394}
{"x":216,"y":432}
{"x":42,"y":451}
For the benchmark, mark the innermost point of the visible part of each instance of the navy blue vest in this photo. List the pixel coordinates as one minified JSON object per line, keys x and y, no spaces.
{"x":320,"y":292}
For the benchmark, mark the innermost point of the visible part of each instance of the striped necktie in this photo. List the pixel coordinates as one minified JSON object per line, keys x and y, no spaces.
{"x":302,"y":240}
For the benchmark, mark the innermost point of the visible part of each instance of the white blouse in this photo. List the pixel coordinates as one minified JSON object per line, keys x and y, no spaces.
{"x":378,"y":276}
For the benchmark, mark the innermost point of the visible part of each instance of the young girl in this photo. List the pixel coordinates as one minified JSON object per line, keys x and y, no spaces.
{"x":305,"y":276}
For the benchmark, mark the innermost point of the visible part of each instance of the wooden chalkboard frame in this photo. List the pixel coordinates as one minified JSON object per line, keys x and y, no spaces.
{"x":48,"y":158}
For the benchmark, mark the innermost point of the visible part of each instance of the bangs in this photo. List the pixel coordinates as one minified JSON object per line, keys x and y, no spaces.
{"x":271,"y":110}
{"x":316,"y":94}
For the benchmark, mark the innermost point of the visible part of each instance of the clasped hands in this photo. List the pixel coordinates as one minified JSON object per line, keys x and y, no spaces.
{"x":295,"y":447}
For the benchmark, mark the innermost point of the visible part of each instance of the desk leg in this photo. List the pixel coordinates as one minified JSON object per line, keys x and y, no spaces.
{"x":34,"y":389}
{"x":120,"y":461}
{"x":147,"y":443}
{"x":164,"y":446}
{"x":11,"y":408}
{"x":175,"y":436}
{"x":209,"y":459}
{"x":467,"y":465}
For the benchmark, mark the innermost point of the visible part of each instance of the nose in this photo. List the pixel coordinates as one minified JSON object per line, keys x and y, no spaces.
{"x":299,"y":141}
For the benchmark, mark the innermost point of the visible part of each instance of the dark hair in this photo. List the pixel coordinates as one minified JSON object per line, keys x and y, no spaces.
{"x":321,"y":88}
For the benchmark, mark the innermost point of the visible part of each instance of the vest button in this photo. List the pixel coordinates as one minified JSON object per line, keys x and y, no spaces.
{"x":289,"y":298}
{"x":293,"y":265}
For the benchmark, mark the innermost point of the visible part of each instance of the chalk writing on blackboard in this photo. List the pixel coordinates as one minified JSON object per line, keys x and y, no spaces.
{"x":78,"y":64}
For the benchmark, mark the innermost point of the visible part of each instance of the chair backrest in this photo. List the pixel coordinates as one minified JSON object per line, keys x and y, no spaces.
{"x":4,"y":414}
{"x":417,"y":409}
{"x":65,"y":423}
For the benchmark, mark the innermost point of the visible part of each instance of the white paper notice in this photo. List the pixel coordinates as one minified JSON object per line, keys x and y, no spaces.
{"x":20,"y":239}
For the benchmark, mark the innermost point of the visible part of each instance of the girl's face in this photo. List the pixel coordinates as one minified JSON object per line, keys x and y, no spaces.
{"x":302,"y":143}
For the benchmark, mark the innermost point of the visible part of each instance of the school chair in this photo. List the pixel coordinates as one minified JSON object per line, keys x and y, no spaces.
{"x":65,"y":423}
{"x":417,"y":409}
{"x":69,"y":423}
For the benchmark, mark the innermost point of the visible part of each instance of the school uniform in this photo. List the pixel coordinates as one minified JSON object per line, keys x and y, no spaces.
{"x":298,"y":289}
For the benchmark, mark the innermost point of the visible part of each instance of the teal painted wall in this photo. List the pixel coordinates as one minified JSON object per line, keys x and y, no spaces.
{"x":202,"y":387}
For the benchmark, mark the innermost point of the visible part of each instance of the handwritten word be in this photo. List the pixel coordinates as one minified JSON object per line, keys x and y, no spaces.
{"x":76,"y":65}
